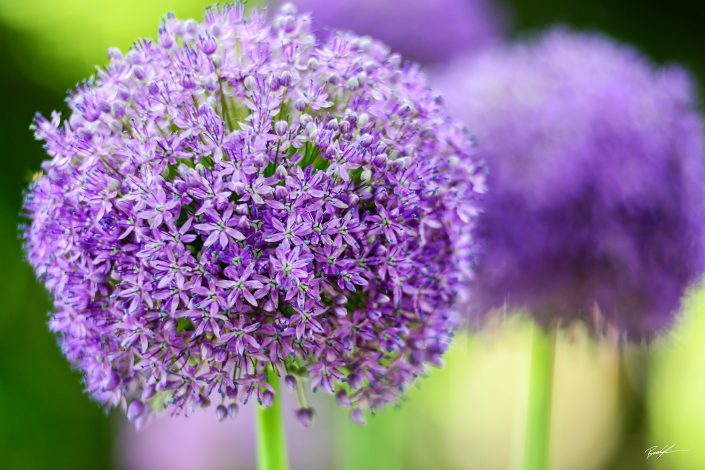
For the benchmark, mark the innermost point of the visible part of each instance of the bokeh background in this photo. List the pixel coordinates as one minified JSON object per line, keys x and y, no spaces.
{"x":610,"y":405}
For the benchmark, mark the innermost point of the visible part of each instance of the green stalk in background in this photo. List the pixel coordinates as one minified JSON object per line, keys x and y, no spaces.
{"x":271,"y":441}
{"x":538,"y":418}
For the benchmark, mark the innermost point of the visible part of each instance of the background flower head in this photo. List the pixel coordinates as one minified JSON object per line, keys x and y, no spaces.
{"x":427,"y":31}
{"x":235,"y":200}
{"x":597,"y":175}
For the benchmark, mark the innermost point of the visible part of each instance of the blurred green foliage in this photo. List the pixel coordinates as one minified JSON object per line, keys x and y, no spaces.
{"x":45,"y":419}
{"x":46,"y":422}
{"x":58,"y":43}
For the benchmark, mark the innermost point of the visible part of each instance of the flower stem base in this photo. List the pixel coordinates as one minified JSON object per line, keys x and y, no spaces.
{"x":271,"y":440}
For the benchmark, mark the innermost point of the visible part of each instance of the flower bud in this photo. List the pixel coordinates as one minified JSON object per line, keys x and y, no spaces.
{"x":285,"y":78}
{"x":187,"y":81}
{"x":207,"y":45}
{"x":138,"y":72}
{"x":342,"y":398}
{"x":305,"y":416}
{"x":281,"y":193}
{"x":135,"y":410}
{"x":290,"y":381}
{"x":281,"y":127}
{"x":221,"y":413}
{"x":332,"y":124}
{"x":266,"y":399}
{"x":340,"y":311}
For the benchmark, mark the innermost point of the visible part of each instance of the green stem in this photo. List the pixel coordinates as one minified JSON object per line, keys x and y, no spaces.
{"x":271,"y":442}
{"x":538,"y":419}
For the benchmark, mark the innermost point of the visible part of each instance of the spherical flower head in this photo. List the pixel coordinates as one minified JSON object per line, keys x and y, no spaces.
{"x":427,"y":31}
{"x":236,"y":200}
{"x":596,"y":200}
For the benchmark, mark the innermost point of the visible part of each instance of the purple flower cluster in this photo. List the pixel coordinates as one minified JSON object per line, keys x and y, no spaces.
{"x":429,"y":31}
{"x":596,"y":208}
{"x":235,"y":200}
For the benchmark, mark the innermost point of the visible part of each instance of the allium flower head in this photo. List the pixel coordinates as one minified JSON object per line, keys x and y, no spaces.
{"x":597,"y":181}
{"x":430,"y":31}
{"x":235,"y":200}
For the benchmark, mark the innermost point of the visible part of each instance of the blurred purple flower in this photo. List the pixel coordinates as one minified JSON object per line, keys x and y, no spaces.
{"x":207,"y":442}
{"x":596,"y":206}
{"x":185,"y":233}
{"x":428,"y":31}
